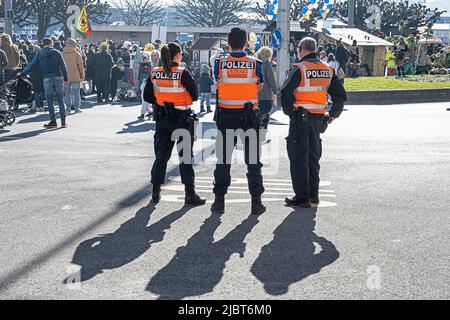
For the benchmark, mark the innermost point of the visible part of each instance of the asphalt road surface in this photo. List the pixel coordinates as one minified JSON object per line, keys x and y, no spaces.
{"x":77,"y":223}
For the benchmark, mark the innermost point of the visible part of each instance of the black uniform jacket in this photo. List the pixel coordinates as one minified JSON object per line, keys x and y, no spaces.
{"x":336,"y":91}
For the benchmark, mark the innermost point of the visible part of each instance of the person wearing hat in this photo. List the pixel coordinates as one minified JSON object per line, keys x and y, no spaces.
{"x":117,"y":74}
{"x":408,"y":67}
{"x":104,"y":64}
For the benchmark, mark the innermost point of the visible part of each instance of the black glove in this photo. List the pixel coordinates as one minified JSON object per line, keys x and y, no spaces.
{"x":324,"y":123}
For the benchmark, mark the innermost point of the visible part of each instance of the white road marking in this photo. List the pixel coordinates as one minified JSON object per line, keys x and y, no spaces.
{"x":180,"y":198}
{"x":274,"y":189}
{"x":438,"y":154}
{"x":67,"y":207}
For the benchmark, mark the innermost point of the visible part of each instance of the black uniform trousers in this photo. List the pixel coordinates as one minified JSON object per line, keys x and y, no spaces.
{"x":164,"y":144}
{"x":304,"y":148}
{"x":233,"y":119}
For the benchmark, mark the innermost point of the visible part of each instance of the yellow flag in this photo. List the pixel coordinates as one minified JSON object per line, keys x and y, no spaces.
{"x":83,"y":25}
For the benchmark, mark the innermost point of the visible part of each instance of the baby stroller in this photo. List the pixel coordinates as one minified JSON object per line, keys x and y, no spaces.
{"x":7,"y":117}
{"x":126,"y":92}
{"x":18,"y":91}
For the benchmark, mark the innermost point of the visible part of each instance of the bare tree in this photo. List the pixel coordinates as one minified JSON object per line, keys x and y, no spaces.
{"x":213,"y":13}
{"x":48,"y":13}
{"x":141,"y":12}
{"x":411,"y":14}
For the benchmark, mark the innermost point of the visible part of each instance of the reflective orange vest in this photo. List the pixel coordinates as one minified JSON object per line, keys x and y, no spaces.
{"x":168,"y":88}
{"x":237,"y":82}
{"x":311,"y":94}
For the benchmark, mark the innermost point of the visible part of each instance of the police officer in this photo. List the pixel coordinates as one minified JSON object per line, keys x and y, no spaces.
{"x":304,"y":100}
{"x":238,"y":82}
{"x":172,"y":90}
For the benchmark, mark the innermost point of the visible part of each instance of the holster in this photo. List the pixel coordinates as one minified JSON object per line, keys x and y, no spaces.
{"x":216,"y":114}
{"x":300,"y":115}
{"x":192,"y":122}
{"x":217,"y":111}
{"x":324,"y":124}
{"x":159,"y":113}
{"x":170,"y":111}
{"x":251,"y":116}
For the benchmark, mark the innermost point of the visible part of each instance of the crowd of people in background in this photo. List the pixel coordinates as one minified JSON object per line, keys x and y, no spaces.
{"x":115,"y":71}
{"x":118,"y":71}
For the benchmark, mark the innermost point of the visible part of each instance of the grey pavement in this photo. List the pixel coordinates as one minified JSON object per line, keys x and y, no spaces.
{"x":77,"y":223}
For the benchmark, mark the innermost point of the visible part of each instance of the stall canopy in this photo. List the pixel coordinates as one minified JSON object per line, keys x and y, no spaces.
{"x":429,"y":39}
{"x":347,"y":35}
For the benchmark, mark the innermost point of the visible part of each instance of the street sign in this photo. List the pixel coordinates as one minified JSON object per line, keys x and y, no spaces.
{"x":276,"y":39}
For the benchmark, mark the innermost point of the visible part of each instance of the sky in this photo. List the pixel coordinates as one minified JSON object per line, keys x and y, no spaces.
{"x":441,"y":4}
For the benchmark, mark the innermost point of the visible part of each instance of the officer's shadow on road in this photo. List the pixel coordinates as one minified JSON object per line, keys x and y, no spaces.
{"x":137,"y":126}
{"x":295,"y":253}
{"x":199,"y":266}
{"x":129,"y":242}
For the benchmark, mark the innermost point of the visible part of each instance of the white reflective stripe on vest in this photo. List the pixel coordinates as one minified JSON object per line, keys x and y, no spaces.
{"x":238,"y":80}
{"x":183,"y":108}
{"x":311,"y":106}
{"x":312,"y":89}
{"x":236,"y":102}
{"x":169,"y":89}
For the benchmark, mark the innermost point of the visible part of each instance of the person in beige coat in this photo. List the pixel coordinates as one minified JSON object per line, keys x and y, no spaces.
{"x":12,"y":55}
{"x":75,"y":70}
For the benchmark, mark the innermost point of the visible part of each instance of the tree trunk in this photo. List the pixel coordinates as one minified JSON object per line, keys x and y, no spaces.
{"x":43,"y":23}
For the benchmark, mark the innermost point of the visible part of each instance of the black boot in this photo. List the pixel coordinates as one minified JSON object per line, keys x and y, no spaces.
{"x":257,"y":206}
{"x":294,"y":202}
{"x":219,"y":205}
{"x":156,"y":194}
{"x":63,"y":123}
{"x":192,"y":198}
{"x":51,"y":124}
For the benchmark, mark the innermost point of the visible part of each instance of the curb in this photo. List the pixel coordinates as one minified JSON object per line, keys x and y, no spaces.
{"x":381,"y":97}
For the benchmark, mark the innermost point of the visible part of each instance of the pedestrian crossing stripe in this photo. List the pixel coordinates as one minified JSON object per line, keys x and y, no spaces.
{"x":276,"y":190}
{"x":180,"y":198}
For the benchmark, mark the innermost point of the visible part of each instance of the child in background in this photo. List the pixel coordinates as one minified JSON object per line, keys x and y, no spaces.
{"x":117,"y":74}
{"x":205,"y":84}
{"x":145,"y":107}
{"x":144,"y":68}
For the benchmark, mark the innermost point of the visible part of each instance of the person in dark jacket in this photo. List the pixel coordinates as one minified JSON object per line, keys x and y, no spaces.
{"x":342,"y":55}
{"x":3,"y":64}
{"x":37,"y":81}
{"x":54,"y":73}
{"x":205,"y":83}
{"x":103,"y":63}
{"x":124,"y":53}
{"x":57,"y":45}
{"x":90,"y":67}
{"x":112,"y":49}
{"x":116,"y":75}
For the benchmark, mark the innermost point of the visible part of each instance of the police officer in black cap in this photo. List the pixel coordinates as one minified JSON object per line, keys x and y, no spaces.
{"x":304,"y":99}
